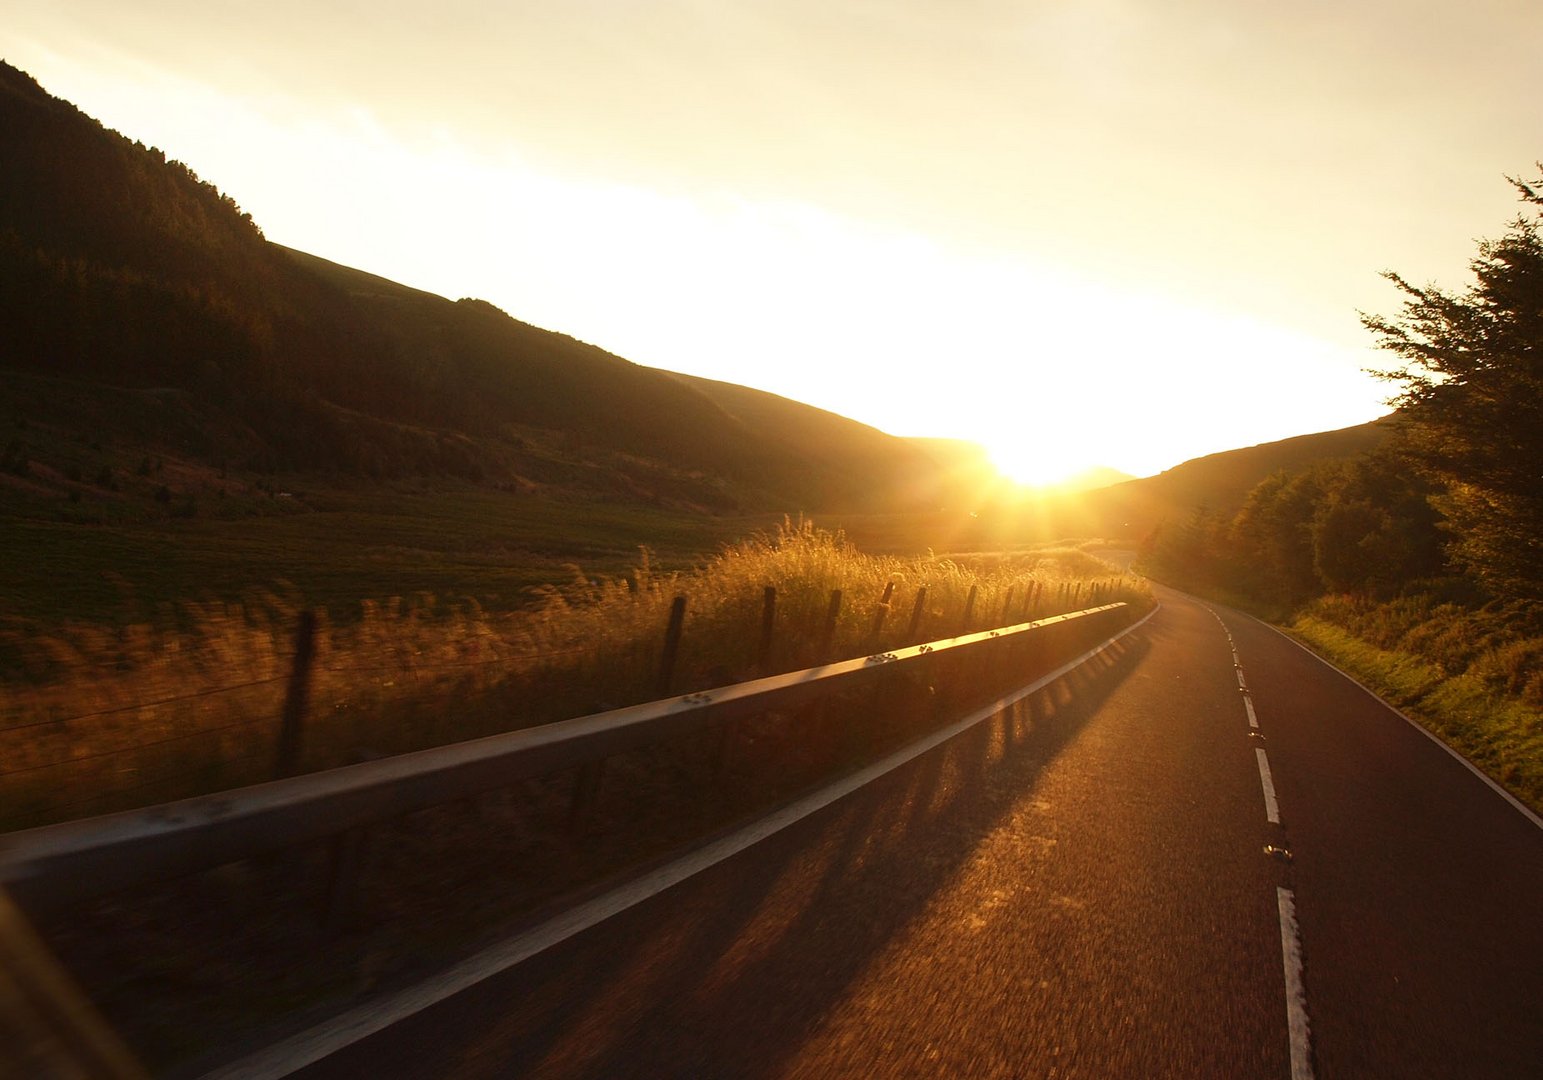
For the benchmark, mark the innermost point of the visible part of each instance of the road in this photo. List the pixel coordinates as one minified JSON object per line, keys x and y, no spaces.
{"x":1088,"y":885}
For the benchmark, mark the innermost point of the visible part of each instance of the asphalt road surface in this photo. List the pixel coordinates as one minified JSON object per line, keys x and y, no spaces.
{"x":1120,"y":876}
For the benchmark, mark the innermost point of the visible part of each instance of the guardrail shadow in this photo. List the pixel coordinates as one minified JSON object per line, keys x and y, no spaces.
{"x":235,"y":952}
{"x":729,"y":973}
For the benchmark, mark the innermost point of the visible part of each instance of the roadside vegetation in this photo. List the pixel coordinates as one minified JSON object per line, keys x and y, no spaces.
{"x":1470,"y":677}
{"x":101,"y":717}
{"x":1419,"y":567}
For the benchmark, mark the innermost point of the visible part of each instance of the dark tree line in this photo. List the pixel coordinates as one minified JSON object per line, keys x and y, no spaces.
{"x":1365,"y":526}
{"x":1459,"y":491}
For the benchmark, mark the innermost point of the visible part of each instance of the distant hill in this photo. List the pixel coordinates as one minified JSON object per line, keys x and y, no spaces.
{"x":141,"y":307}
{"x":1099,"y":476}
{"x":848,"y":463}
{"x":1218,"y":482}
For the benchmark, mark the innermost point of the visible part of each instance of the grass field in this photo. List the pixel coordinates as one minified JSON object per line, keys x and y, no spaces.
{"x":337,"y":548}
{"x":150,"y":661}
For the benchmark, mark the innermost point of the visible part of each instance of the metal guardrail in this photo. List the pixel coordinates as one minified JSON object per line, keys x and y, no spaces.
{"x":76,"y":860}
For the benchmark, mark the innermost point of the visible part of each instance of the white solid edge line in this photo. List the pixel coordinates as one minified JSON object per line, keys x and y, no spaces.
{"x":1297,"y":1029}
{"x":365,"y":1020}
{"x":1271,"y":807}
{"x":1525,"y":810}
{"x":1253,"y":719}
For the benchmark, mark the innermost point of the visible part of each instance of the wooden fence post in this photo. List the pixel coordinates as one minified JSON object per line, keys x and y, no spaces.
{"x":287,"y":761}
{"x":828,"y":630}
{"x":879,"y":613}
{"x":768,"y":621}
{"x":916,"y":615}
{"x":671,"y":647}
{"x":969,"y":610}
{"x":1007,"y":607}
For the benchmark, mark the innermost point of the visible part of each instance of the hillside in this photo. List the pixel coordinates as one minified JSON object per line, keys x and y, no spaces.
{"x":1218,"y":482}
{"x":1099,"y":476}
{"x":856,"y":465}
{"x":160,"y":352}
{"x":148,"y":320}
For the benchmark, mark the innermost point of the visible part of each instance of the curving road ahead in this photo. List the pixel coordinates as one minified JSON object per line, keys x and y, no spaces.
{"x":1204,"y":854}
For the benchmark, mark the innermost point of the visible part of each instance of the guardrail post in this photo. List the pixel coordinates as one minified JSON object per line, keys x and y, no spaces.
{"x":671,"y":646}
{"x":728,"y":735}
{"x":287,"y":760}
{"x":586,"y":795}
{"x":828,"y":630}
{"x":347,"y":851}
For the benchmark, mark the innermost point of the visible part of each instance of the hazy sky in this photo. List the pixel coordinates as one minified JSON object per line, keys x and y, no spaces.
{"x":1086,"y":231}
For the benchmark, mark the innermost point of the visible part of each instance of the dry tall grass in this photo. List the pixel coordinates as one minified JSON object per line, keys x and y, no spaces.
{"x":120,"y":717}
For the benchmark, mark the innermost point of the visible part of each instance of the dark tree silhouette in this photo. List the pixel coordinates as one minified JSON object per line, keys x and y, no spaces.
{"x":1471,"y":399}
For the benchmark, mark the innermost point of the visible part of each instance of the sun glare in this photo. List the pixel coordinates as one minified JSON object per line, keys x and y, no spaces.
{"x":1032,"y":466}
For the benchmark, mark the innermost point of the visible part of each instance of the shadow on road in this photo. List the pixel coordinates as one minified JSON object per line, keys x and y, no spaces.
{"x":728,"y":974}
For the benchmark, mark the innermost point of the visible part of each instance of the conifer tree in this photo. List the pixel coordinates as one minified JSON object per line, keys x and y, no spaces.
{"x":1471,"y":399}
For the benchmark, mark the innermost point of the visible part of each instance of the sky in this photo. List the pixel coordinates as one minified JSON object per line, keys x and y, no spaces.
{"x":1079,"y":232}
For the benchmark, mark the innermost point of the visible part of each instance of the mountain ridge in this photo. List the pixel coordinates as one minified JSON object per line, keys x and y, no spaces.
{"x":123,"y":269}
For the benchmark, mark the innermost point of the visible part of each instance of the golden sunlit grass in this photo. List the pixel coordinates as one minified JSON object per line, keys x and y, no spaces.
{"x":135,"y":715}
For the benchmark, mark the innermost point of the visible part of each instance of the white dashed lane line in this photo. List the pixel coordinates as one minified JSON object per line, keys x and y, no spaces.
{"x":1271,"y":809}
{"x":1290,"y":935}
{"x":1296,"y":993}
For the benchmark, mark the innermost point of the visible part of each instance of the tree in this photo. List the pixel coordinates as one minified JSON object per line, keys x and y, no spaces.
{"x":1193,"y":555}
{"x":1374,"y":529}
{"x":1273,"y":536}
{"x":1471,"y":399}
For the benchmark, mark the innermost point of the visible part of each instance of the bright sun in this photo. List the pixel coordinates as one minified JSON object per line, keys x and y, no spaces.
{"x":1033,"y":464}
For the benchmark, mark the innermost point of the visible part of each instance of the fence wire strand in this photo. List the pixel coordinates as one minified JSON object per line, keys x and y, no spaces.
{"x":360,"y":670}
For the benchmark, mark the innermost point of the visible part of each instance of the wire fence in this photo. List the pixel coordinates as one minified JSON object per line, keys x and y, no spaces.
{"x":318,"y":714}
{"x":362,"y":669}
